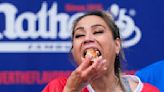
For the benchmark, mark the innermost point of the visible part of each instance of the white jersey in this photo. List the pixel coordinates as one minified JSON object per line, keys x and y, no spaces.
{"x":128,"y":77}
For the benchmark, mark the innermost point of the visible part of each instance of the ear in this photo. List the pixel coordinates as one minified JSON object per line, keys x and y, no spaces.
{"x":72,"y":50}
{"x":118,"y":45}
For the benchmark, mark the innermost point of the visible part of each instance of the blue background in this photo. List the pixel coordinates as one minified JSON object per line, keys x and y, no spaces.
{"x":149,"y":18}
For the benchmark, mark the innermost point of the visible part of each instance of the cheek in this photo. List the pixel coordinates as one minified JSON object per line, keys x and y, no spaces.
{"x":75,"y":52}
{"x":109,"y":55}
{"x":76,"y":46}
{"x":108,"y":47}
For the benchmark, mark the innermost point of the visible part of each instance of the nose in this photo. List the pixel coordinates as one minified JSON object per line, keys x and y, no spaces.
{"x":89,"y":38}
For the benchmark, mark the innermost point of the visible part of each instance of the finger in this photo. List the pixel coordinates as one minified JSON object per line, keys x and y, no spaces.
{"x":97,"y":62}
{"x":85,"y":63}
{"x":99,"y":70}
{"x":93,"y":68}
{"x":89,"y":71}
{"x":97,"y":65}
{"x":102,"y":65}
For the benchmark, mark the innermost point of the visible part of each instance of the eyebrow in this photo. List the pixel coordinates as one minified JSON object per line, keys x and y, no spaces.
{"x":97,"y":25}
{"x":79,"y":28}
{"x":82,"y":28}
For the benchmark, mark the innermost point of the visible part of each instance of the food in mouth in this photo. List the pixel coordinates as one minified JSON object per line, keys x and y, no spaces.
{"x":94,"y":53}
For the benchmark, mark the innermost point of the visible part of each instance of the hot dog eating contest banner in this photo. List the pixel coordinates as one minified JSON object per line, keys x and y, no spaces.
{"x":35,"y":37}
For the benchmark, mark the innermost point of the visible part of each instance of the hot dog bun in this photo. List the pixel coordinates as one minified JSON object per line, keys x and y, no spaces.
{"x":93,"y":53}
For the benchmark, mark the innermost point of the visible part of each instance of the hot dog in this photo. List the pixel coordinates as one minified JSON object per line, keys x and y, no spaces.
{"x":93,"y":53}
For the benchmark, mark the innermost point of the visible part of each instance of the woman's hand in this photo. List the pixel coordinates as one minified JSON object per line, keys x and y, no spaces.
{"x":85,"y":73}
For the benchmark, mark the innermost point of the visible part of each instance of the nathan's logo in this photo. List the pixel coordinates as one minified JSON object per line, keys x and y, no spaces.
{"x":54,"y":26}
{"x":14,"y":25}
{"x":129,"y":32}
{"x":58,"y":28}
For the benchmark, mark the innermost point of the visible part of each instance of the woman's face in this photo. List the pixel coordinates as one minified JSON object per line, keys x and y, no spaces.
{"x":92,"y":32}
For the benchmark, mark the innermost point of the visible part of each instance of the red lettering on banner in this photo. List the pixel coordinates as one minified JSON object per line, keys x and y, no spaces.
{"x":81,"y":8}
{"x":2,"y":76}
{"x":94,"y":7}
{"x":73,"y":8}
{"x":33,"y":77}
{"x":29,"y":77}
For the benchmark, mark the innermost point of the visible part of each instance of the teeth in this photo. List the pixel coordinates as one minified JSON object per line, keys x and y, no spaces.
{"x":98,"y":53}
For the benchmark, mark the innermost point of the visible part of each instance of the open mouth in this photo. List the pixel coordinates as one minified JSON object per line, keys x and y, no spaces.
{"x":93,"y":52}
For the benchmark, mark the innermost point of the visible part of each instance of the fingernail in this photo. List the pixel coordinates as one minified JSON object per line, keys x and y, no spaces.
{"x":104,"y":61}
{"x":105,"y":68}
{"x":100,"y":57}
{"x":82,"y":59}
{"x":89,"y":56}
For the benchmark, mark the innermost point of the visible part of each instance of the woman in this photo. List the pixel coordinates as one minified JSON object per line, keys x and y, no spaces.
{"x":97,"y":31}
